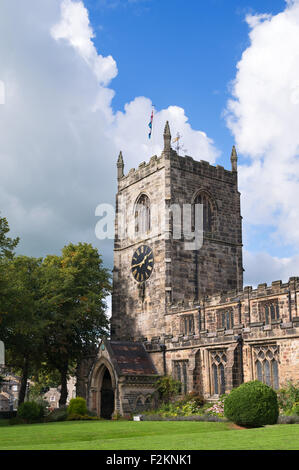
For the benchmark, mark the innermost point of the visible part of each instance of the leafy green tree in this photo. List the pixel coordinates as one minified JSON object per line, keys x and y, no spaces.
{"x":43,"y":379}
{"x":7,"y":244}
{"x":75,"y":286}
{"x":21,"y":317}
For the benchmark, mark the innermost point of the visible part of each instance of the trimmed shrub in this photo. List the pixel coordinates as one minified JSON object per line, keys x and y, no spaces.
{"x":252,"y":404}
{"x":77,"y":406}
{"x":31,"y":412}
{"x":77,"y":417}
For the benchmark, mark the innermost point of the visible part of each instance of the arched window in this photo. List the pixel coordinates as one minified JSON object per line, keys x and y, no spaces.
{"x":218,"y":371}
{"x":180,"y":374}
{"x":148,"y":403}
{"x":205,"y":200}
{"x":139,"y":405}
{"x":142,"y":214}
{"x":266,"y":365}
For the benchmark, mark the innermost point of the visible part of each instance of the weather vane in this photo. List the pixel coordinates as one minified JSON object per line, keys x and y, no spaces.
{"x":179,"y":143}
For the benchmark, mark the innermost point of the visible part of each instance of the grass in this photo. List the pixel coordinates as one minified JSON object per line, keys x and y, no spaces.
{"x":147,"y":435}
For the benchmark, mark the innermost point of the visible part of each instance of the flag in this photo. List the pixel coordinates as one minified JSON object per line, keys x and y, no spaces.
{"x":151,"y":125}
{"x":177,"y":138}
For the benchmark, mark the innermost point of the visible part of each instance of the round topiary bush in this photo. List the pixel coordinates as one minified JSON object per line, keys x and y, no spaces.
{"x":31,"y":411}
{"x":252,"y":404}
{"x":77,"y":406}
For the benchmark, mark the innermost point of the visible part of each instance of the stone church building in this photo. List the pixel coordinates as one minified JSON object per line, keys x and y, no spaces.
{"x":183,"y":311}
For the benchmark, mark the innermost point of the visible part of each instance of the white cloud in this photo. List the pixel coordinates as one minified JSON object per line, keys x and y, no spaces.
{"x":59,"y":135}
{"x":136,"y":117}
{"x":263,"y":115}
{"x":262,"y":267}
{"x":74,"y":27}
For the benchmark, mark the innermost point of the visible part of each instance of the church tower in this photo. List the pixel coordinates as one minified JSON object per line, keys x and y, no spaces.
{"x":157,"y":262}
{"x":179,"y":307}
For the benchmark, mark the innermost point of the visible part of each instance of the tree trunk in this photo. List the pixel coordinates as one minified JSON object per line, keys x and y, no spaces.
{"x":24,"y":379}
{"x":64,"y":391}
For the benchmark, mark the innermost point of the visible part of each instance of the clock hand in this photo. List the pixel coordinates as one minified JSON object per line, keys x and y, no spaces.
{"x":141,"y":263}
{"x":138,"y":264}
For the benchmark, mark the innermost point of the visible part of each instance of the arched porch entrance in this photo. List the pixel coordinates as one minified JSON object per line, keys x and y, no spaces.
{"x":106,"y":396}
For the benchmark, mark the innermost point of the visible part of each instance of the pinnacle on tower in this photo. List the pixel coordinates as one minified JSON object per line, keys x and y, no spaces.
{"x":120,"y":166}
{"x":167,"y":137}
{"x":234,"y":159}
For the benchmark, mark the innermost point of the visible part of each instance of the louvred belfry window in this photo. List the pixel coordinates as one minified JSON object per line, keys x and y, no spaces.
{"x":142,"y":214}
{"x":204,"y":199}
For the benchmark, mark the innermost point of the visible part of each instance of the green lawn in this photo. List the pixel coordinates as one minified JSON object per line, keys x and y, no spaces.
{"x":147,"y":435}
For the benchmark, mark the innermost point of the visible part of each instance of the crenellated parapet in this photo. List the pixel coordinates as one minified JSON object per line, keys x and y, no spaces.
{"x":144,"y":170}
{"x":268,"y":311}
{"x":185,"y":163}
{"x":250,"y":293}
{"x":203,"y":169}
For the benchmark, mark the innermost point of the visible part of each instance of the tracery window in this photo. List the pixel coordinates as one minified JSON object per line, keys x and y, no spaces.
{"x":187,"y":325}
{"x":269,"y":311}
{"x":218,"y":360}
{"x":225,"y":319}
{"x":204,"y":199}
{"x":266,"y":365}
{"x":142,"y":214}
{"x":180,"y":374}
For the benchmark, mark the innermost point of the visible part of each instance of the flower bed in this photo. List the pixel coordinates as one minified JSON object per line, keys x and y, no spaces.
{"x":190,"y":408}
{"x":205,"y":417}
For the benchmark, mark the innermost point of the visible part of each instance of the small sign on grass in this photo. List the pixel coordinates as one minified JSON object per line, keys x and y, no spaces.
{"x":137,"y":418}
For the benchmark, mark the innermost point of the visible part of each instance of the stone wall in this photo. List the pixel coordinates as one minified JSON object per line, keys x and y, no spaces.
{"x":217,"y":265}
{"x":137,"y":313}
{"x":249,"y":335}
{"x":179,"y":274}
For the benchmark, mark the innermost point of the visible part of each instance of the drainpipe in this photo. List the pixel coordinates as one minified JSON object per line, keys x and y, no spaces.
{"x":163,"y":349}
{"x":290,"y":306}
{"x":240,"y":345}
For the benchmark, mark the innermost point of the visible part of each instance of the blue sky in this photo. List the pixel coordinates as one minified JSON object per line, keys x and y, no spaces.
{"x":181,"y":52}
{"x":80,"y":78}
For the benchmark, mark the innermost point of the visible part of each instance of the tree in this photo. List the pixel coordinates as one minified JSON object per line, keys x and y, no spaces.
{"x":75,"y":285}
{"x":7,"y":245}
{"x":43,"y":379}
{"x":21,"y":317}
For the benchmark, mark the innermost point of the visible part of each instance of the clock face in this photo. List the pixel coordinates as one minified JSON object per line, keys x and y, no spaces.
{"x":142,"y":263}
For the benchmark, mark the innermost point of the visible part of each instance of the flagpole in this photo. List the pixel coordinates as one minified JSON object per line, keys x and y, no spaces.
{"x":151,"y":130}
